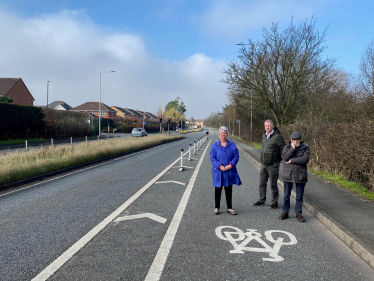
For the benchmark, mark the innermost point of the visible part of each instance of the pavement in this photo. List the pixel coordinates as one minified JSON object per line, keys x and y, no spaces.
{"x":348,"y":216}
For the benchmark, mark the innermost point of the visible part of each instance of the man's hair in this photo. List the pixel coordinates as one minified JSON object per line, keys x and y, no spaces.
{"x":269,"y":121}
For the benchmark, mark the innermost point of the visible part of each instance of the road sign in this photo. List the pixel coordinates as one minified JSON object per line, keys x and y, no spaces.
{"x":237,"y":121}
{"x":143,"y":123}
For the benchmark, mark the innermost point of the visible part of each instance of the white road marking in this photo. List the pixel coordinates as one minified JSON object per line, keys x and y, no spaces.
{"x":177,"y":182}
{"x":139,"y":216}
{"x":183,"y":167}
{"x":159,"y":261}
{"x":61,"y":260}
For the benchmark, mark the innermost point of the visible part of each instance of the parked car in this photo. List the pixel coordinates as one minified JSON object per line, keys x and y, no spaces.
{"x":138,"y":132}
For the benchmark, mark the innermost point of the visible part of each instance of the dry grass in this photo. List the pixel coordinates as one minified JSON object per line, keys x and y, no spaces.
{"x":16,"y":166}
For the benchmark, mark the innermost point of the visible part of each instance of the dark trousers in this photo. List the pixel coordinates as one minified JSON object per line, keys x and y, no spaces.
{"x":299,"y":197}
{"x":269,"y":172}
{"x":228,"y":194}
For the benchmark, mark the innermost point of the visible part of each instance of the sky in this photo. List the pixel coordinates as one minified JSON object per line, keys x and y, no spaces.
{"x":159,"y":49}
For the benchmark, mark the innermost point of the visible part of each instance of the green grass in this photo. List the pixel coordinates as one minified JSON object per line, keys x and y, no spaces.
{"x":340,"y":180}
{"x":253,"y":144}
{"x":15,"y":141}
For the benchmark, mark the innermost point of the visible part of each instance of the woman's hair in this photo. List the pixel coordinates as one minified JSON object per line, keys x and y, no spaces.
{"x":223,"y":128}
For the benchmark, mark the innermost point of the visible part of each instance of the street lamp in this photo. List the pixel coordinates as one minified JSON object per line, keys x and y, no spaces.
{"x":100,"y":100}
{"x":144,"y":110}
{"x":47,"y":91}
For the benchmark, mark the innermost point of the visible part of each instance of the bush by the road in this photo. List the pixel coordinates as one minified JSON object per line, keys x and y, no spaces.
{"x":345,"y":149}
{"x":22,"y":165}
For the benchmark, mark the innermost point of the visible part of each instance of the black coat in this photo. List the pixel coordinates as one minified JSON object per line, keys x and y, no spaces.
{"x":296,"y":171}
{"x":272,"y":147}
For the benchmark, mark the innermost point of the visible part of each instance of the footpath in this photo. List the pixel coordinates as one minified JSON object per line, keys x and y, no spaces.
{"x":349,"y":217}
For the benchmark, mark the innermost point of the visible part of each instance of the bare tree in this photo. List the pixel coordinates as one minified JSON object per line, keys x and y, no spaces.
{"x":366,"y":76}
{"x":281,"y":68}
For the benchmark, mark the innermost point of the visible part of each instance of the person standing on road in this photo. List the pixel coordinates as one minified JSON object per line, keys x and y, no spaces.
{"x":224,"y":156}
{"x":296,"y":157}
{"x":272,"y":145}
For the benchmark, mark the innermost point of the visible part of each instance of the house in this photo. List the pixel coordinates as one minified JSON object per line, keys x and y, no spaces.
{"x":148,"y":116}
{"x":16,"y":89}
{"x":93,"y":108}
{"x":59,"y":105}
{"x":122,"y":112}
{"x":134,"y":113}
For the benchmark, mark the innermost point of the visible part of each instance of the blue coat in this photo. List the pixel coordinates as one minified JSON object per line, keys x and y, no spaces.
{"x":220,"y":155}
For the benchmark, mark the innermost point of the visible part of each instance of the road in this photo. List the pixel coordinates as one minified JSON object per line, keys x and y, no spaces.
{"x":139,"y":218}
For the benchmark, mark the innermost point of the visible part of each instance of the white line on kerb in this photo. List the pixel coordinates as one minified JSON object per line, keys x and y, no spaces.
{"x":158,"y":264}
{"x":61,"y":260}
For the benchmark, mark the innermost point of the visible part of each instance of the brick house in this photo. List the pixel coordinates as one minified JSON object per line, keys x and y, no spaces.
{"x":16,"y":89}
{"x":93,"y":108}
{"x":59,"y":105}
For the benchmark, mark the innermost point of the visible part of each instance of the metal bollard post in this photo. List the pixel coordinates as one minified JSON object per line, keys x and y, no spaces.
{"x":181,"y":167}
{"x":52,"y":141}
{"x":189,"y":153}
{"x":194,"y":144}
{"x":71,"y":140}
{"x":86,"y":139}
{"x":122,"y":135}
{"x":198,"y":141}
{"x":107,"y":136}
{"x":26,"y":144}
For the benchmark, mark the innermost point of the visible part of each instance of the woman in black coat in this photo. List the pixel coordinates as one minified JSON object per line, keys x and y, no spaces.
{"x":296,"y":157}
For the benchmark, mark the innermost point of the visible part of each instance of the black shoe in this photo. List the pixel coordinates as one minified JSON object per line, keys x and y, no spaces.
{"x":258,"y":203}
{"x":273,"y":206}
{"x":300,"y":218}
{"x":283,"y":216}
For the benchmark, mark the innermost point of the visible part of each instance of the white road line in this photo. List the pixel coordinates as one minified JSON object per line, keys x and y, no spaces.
{"x":120,"y":158}
{"x":61,"y":260}
{"x":177,"y":182}
{"x":140,"y":216}
{"x":158,"y":264}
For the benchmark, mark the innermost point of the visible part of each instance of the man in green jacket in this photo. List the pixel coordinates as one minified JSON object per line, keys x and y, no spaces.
{"x":272,"y":146}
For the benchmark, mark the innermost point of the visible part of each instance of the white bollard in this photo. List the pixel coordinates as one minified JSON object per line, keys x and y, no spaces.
{"x":198,"y":141}
{"x":189,"y":153}
{"x":194,"y":144}
{"x":122,"y":135}
{"x":181,"y":167}
{"x":52,"y":141}
{"x":71,"y":140}
{"x":107,"y":136}
{"x":26,"y":144}
{"x":115,"y":136}
{"x":86,"y":139}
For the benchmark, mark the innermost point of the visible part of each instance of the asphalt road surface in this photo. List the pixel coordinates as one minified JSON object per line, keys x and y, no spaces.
{"x":139,"y":218}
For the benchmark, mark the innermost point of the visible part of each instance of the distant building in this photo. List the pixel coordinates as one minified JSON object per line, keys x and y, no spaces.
{"x":16,"y":89}
{"x":59,"y":105}
{"x":93,"y":108}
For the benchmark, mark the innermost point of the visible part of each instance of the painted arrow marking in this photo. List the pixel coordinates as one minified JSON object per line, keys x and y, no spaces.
{"x":140,"y":216}
{"x":177,"y":182}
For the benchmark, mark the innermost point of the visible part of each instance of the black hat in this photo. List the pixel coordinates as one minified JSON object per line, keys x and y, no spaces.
{"x":295,"y":136}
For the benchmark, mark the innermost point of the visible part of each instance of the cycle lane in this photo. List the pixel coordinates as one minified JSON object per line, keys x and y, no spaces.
{"x":249,"y":246}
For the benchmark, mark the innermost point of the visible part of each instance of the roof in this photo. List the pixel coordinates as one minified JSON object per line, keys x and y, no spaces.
{"x":133,"y":112}
{"x":122,"y":110}
{"x":57,"y":103}
{"x":6,"y":84}
{"x":88,"y":115}
{"x":92,"y":106}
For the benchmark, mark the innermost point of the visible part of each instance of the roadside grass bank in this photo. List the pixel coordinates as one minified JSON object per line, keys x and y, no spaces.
{"x":253,"y":144}
{"x":337,"y":179}
{"x":190,"y":131}
{"x":16,"y":166}
{"x":17,"y":141}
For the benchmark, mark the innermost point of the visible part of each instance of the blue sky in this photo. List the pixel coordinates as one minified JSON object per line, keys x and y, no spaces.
{"x":165,"y":48}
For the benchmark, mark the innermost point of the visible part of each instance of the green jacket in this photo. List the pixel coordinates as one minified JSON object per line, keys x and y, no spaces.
{"x":272,"y":147}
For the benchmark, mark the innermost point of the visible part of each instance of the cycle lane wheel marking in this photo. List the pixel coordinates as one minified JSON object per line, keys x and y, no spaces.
{"x":159,"y":261}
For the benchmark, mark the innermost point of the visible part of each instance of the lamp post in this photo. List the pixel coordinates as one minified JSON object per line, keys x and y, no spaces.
{"x":100,"y":100}
{"x":144,"y":110}
{"x":47,"y":91}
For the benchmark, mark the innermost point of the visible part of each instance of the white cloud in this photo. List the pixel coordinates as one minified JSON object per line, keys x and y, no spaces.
{"x":231,"y":19}
{"x":70,"y":50}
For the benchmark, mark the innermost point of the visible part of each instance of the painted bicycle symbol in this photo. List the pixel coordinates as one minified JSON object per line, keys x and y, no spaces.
{"x":239,"y":240}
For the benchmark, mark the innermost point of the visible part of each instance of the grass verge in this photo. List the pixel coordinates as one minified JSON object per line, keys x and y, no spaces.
{"x":17,"y":166}
{"x":253,"y":144}
{"x":16,"y":141}
{"x":340,"y":180}
{"x":193,"y":130}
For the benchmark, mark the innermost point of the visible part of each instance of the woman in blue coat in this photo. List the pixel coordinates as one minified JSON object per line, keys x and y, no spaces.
{"x":224,"y":156}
